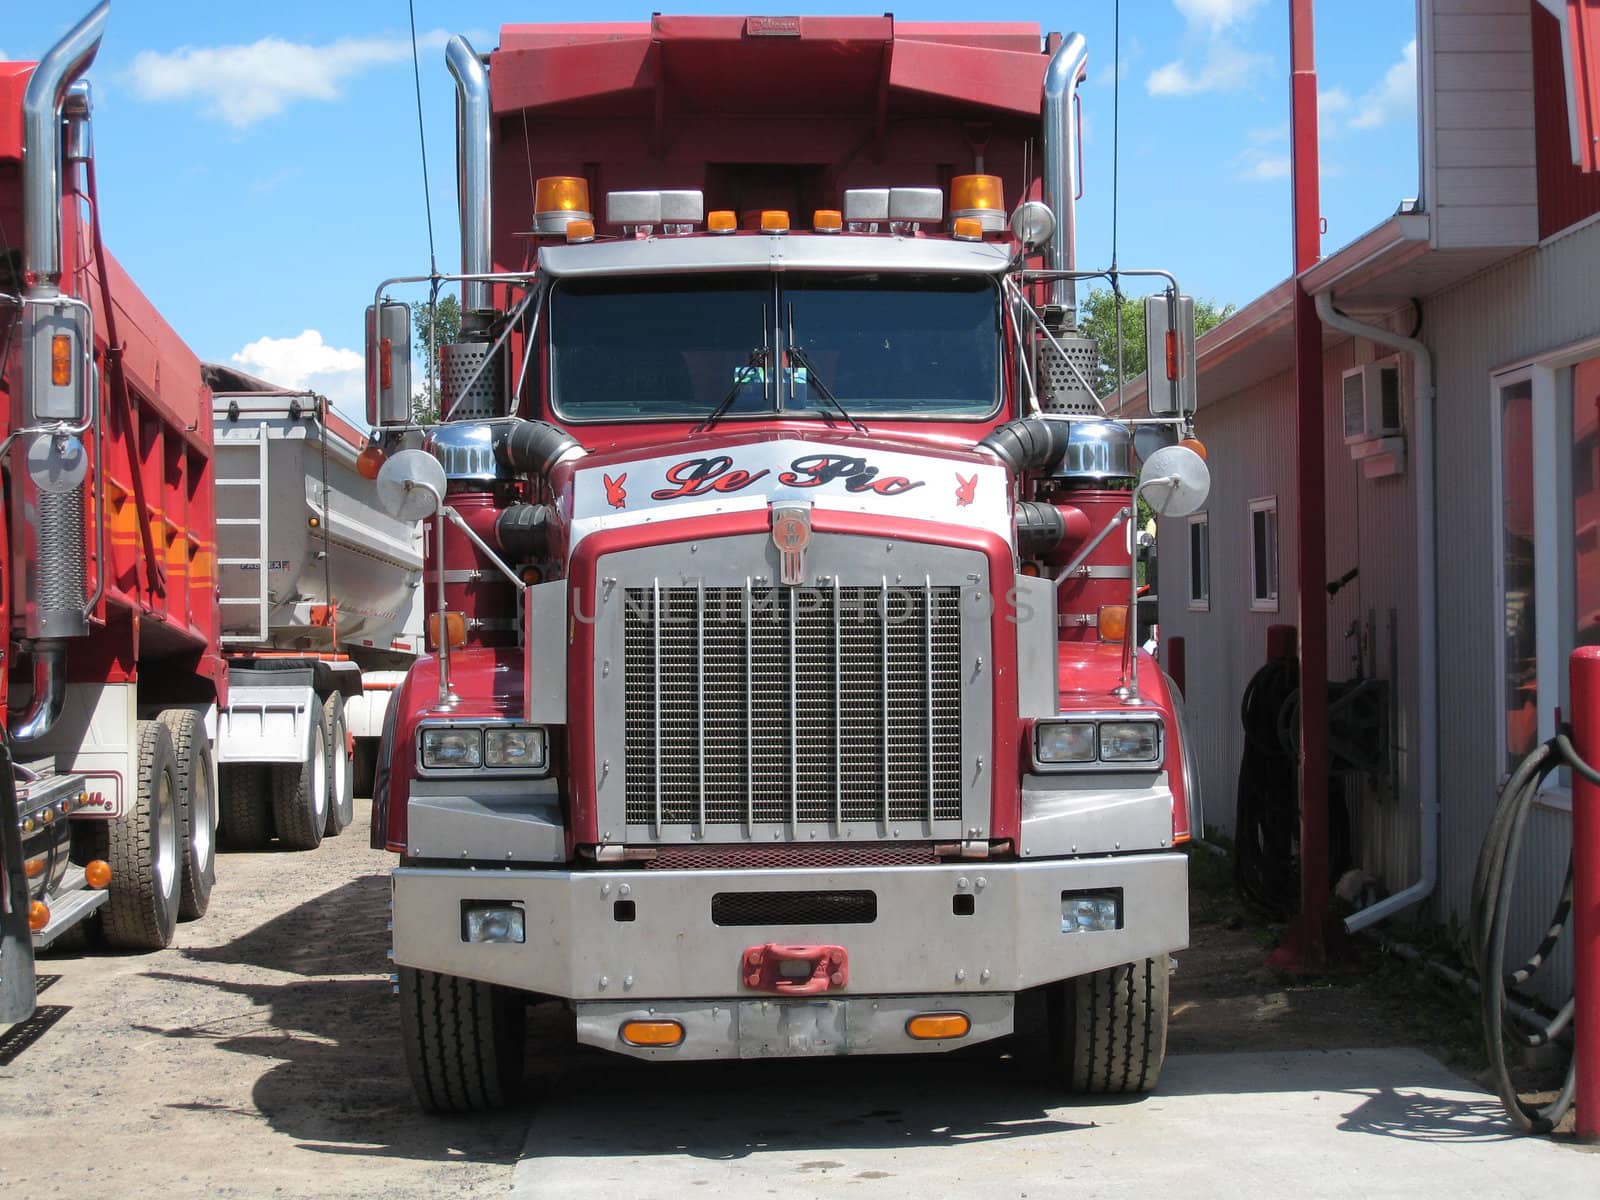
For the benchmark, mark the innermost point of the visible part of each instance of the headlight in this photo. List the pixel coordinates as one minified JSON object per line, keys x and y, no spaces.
{"x":1130,"y":741}
{"x":514,"y":748}
{"x":452,"y":747}
{"x":1065,"y":742}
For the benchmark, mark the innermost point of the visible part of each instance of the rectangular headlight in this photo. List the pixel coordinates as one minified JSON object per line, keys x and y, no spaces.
{"x":452,"y":747}
{"x":1091,"y":912}
{"x":493,"y":923}
{"x":1064,"y":741}
{"x":514,"y":748}
{"x":1130,"y":741}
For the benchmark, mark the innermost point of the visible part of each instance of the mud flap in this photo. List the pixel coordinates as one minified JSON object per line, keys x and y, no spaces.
{"x":16,"y":939}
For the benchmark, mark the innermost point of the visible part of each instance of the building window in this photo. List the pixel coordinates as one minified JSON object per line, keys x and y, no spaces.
{"x":1200,"y":563}
{"x":1264,"y":554}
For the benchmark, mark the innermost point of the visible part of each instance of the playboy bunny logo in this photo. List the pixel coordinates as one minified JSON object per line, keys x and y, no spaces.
{"x":615,"y":496}
{"x":965,"y":489}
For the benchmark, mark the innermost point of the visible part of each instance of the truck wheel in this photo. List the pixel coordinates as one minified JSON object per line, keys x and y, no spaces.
{"x":197,"y":802}
{"x":300,"y":796}
{"x":145,"y":849}
{"x":246,"y":817}
{"x":1109,"y":1029}
{"x":341,"y":798}
{"x":463,"y":1041}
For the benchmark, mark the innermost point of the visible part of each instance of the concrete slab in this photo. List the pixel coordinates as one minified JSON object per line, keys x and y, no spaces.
{"x":1370,"y":1123}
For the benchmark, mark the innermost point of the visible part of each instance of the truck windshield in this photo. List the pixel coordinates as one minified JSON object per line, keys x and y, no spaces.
{"x":671,"y":348}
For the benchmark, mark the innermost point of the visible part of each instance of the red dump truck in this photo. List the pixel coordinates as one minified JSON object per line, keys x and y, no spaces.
{"x":785,"y":699}
{"x":144,"y":713}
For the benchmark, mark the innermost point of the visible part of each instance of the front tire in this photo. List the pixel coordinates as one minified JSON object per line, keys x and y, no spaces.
{"x":1109,"y":1029}
{"x":197,"y":802}
{"x":463,"y":1039}
{"x":300,"y":797}
{"x":145,"y":849}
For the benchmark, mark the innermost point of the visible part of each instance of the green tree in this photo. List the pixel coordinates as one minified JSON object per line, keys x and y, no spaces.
{"x":444,"y":321}
{"x":1097,"y":318}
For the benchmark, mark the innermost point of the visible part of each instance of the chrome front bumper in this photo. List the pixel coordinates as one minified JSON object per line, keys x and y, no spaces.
{"x":640,"y":937}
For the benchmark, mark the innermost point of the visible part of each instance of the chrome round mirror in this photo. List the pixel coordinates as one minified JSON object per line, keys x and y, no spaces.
{"x":1033,"y":224}
{"x":1147,"y":439}
{"x":1175,"y":481}
{"x":57,"y":463}
{"x":411,"y":485}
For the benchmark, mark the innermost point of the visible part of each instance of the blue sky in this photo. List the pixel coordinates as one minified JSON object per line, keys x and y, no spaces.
{"x":259,"y":170}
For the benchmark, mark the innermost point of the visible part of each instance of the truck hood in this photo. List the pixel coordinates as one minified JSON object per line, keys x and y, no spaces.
{"x":704,"y":476}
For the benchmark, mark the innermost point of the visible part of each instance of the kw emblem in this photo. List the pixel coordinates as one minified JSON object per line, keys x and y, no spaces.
{"x":791,"y":534}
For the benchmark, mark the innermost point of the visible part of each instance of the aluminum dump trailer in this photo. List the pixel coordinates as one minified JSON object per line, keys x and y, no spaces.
{"x":319,"y":589}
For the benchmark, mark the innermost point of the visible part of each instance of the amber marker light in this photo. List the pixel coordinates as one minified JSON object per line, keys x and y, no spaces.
{"x":532,"y":575}
{"x":1113,"y":622}
{"x":33,"y":868}
{"x":369,"y":462}
{"x":774,"y":220}
{"x":652,"y":1033}
{"x":928,"y":1027}
{"x":562,"y":193}
{"x":1194,"y":444}
{"x":97,"y":874}
{"x":827,"y":220}
{"x":968,"y":229}
{"x":969,"y":192}
{"x":579,"y":232}
{"x":723,"y":220}
{"x":38,"y":915}
{"x":61,"y":359}
{"x":455,"y":625}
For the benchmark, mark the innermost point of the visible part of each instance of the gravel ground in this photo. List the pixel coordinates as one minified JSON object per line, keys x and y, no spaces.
{"x":259,"y":1055}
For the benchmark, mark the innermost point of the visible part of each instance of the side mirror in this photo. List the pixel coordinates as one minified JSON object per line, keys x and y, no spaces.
{"x":1169,"y":369}
{"x":411,"y":485}
{"x":389,"y":364}
{"x":58,"y":376}
{"x":1175,"y":481}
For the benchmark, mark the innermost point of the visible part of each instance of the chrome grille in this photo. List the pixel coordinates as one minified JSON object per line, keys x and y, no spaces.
{"x":765,"y":705}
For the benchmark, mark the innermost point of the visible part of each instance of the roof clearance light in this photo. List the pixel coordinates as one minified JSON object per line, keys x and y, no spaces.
{"x":827,"y":220}
{"x":968,"y":229}
{"x":559,"y":200}
{"x":722,"y":221}
{"x":981,"y":197}
{"x":774,"y":220}
{"x":579,"y":232}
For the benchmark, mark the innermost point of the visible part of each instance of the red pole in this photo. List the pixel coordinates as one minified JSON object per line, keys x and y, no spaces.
{"x":1585,"y":674}
{"x":1305,"y":944}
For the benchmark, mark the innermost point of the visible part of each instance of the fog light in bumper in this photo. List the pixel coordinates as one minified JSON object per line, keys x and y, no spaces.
{"x":928,"y":1027}
{"x":1091,"y":912}
{"x":652,"y":1033}
{"x":492,"y":923}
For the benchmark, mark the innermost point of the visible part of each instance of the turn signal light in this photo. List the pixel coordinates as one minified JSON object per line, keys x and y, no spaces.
{"x":562,"y":193}
{"x":652,"y":1033}
{"x":1194,"y":444}
{"x":579,"y":232}
{"x":723,"y":220}
{"x":455,"y":625}
{"x":1113,"y":622}
{"x":774,"y":220}
{"x":61,"y":359}
{"x":369,"y":462}
{"x":97,"y":874}
{"x":38,"y":915}
{"x":33,"y":868}
{"x":827,"y":220}
{"x":930,"y":1027}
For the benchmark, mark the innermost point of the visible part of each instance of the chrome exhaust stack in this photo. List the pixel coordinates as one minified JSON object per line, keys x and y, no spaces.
{"x":1061,"y":80}
{"x":53,"y":585}
{"x":474,"y":134}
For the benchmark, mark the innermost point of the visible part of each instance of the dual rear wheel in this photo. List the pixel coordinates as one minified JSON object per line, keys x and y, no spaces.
{"x":301,"y":802}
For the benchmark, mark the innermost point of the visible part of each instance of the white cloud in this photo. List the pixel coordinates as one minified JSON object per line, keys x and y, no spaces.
{"x":1261,"y":166}
{"x":245,"y":84}
{"x":1394,"y":97}
{"x":1225,"y":68}
{"x":306,"y":361}
{"x":1216,"y":15}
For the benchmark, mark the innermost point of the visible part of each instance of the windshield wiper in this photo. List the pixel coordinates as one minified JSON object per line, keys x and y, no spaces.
{"x":756,"y":360}
{"x":797,"y":355}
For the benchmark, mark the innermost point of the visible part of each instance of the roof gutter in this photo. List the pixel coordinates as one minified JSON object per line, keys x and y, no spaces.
{"x":1427,"y":608}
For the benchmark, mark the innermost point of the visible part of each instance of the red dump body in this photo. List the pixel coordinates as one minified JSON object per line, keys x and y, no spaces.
{"x":151,"y":502}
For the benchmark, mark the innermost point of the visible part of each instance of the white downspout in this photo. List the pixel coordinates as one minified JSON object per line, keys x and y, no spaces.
{"x":1427,"y":609}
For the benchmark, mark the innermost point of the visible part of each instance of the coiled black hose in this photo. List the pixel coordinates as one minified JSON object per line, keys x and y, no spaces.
{"x":1492,"y":888}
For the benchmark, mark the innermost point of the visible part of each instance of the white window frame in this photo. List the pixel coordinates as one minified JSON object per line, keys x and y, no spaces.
{"x":1202,"y":602}
{"x":1267,"y":603}
{"x":1552,"y":542}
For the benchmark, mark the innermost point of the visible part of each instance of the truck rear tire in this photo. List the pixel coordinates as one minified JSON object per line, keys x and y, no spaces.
{"x":197,"y":804}
{"x":1109,"y":1029}
{"x":463,"y":1040}
{"x":300,"y":796}
{"x":145,"y":849}
{"x":335,"y":740}
{"x":246,"y":815}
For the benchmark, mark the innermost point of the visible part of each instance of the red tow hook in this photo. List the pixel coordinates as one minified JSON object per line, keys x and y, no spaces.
{"x":795,"y":970}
